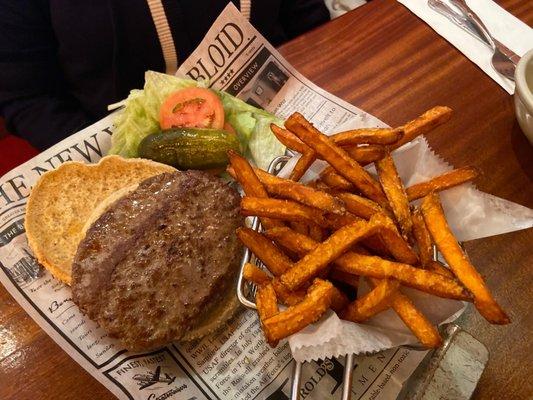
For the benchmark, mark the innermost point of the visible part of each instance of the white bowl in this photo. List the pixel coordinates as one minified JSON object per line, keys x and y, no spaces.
{"x":523,"y":96}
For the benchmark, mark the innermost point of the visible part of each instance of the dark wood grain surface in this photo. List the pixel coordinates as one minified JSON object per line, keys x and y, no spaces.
{"x":386,"y":61}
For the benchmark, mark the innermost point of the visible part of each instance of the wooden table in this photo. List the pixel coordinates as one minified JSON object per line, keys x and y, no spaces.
{"x":386,"y":61}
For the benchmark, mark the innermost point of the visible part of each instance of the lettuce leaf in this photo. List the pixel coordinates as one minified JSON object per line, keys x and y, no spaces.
{"x":139,"y":118}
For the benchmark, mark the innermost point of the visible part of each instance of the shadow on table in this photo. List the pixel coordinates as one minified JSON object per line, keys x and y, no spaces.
{"x":523,"y":150}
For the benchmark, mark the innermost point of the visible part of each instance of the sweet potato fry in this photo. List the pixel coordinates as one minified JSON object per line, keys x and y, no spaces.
{"x":402,"y":305}
{"x":442,"y":182}
{"x":297,"y":242}
{"x":302,"y":165}
{"x":374,"y":243}
{"x":339,"y":300}
{"x":423,"y":124}
{"x":365,"y":154}
{"x":259,"y":277}
{"x":254,"y":274}
{"x":337,"y":221}
{"x":245,"y":175}
{"x":374,"y":302}
{"x":341,"y":276}
{"x":458,"y":261}
{"x":368,"y":136}
{"x":438,"y":268}
{"x":300,"y":227}
{"x":290,"y":140}
{"x":282,"y":209}
{"x":286,"y":296}
{"x":336,"y":157}
{"x":395,"y":192}
{"x":422,"y":238}
{"x":419,"y":325}
{"x":315,"y":232}
{"x":425,"y":245}
{"x":319,"y":185}
{"x":408,"y":275}
{"x":358,"y":205}
{"x":292,"y":240}
{"x":416,"y":321}
{"x":335,"y":181}
{"x":295,"y":318}
{"x":266,"y":302}
{"x":304,"y":194}
{"x":274,"y":259}
{"x":394,"y":242}
{"x":318,"y":259}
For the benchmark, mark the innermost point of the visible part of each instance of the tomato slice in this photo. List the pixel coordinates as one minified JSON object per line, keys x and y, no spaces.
{"x":192,"y":108}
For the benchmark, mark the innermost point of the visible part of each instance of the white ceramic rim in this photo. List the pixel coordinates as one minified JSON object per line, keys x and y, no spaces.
{"x":524,"y":92}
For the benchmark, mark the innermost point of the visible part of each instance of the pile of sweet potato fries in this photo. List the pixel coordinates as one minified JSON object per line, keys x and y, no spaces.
{"x":319,"y":239}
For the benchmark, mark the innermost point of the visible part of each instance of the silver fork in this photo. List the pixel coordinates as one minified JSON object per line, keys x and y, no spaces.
{"x":503,"y":60}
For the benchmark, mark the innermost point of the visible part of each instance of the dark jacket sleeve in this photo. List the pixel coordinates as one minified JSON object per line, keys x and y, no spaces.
{"x":300,"y":16}
{"x":33,"y":97}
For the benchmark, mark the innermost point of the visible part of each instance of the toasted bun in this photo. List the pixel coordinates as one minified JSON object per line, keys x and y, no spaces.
{"x":63,"y":200}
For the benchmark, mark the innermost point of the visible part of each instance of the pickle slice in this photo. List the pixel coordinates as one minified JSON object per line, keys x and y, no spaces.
{"x":189,"y":148}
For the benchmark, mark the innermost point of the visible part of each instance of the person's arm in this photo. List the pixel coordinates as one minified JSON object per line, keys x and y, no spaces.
{"x":33,"y":98}
{"x":300,"y":16}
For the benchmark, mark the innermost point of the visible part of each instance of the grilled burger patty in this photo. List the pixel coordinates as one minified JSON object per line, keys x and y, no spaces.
{"x":159,"y":258}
